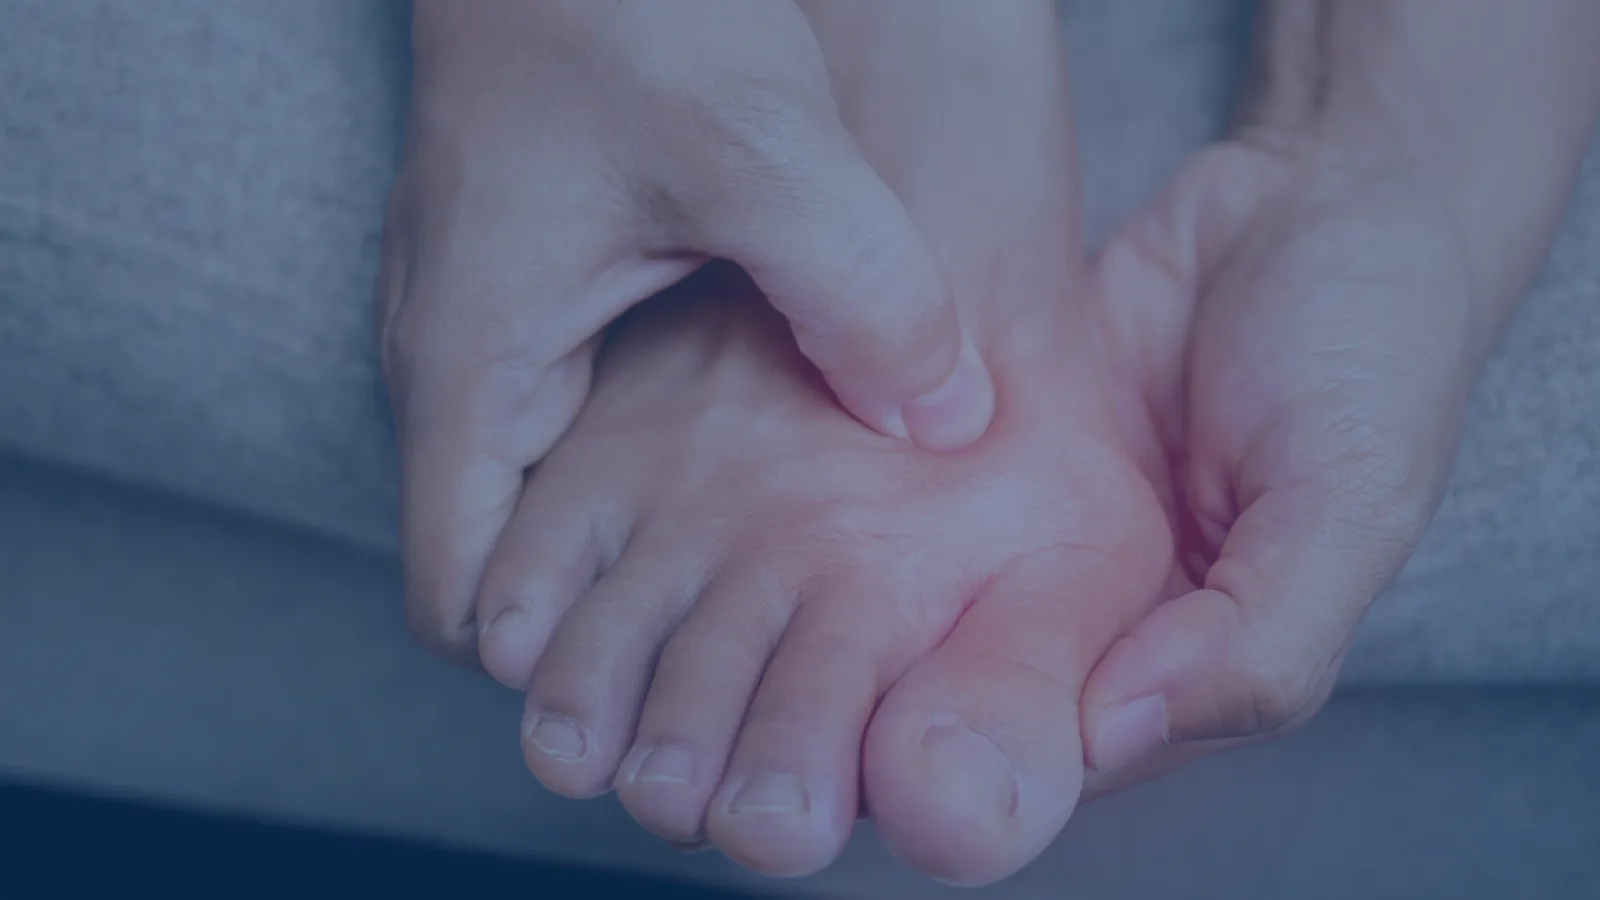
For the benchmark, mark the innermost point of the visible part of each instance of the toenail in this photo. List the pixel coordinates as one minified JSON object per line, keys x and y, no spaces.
{"x":558,"y":739}
{"x":504,"y":617}
{"x":771,"y":794}
{"x":970,"y":755}
{"x":667,"y":764}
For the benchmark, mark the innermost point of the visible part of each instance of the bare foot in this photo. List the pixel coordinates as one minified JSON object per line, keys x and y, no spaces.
{"x":742,"y":609}
{"x":718,"y":577}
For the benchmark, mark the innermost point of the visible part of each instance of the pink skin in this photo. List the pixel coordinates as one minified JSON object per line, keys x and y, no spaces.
{"x":564,"y":161}
{"x":1247,"y":377}
{"x":754,"y":617}
{"x":1303,"y":336}
{"x":781,"y":584}
{"x":719,"y":562}
{"x":1262,"y":379}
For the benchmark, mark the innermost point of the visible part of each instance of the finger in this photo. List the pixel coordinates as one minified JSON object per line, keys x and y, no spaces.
{"x":837,"y":253}
{"x":488,"y":351}
{"x":467,"y":434}
{"x":1255,"y":651}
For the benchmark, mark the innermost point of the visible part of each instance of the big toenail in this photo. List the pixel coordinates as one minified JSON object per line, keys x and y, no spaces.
{"x":668,"y":764}
{"x":971,"y":756}
{"x":771,"y":794}
{"x":558,"y":739}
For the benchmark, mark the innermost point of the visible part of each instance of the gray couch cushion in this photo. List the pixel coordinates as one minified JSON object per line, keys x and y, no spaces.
{"x":188,"y":218}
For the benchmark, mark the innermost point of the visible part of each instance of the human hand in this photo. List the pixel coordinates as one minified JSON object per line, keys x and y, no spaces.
{"x":1303,"y":314}
{"x":565,"y":160}
{"x":1305,"y":337}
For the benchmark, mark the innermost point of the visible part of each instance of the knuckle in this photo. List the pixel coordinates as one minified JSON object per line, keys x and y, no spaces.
{"x":755,"y":114}
{"x":754,"y":129}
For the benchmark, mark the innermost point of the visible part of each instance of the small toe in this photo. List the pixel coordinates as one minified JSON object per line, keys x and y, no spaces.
{"x":791,"y":791}
{"x":586,"y":690}
{"x":703,"y":684}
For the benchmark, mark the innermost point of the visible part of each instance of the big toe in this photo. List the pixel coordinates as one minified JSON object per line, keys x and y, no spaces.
{"x":973,"y":762}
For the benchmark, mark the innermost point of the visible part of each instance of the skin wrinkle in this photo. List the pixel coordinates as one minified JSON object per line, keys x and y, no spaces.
{"x":1281,"y":687}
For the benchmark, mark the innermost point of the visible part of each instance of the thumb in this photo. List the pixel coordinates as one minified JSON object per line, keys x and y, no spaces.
{"x":837,"y":254}
{"x":1255,"y":651}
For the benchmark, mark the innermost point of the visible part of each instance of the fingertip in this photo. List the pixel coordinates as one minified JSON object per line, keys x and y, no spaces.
{"x":872,"y":308}
{"x":946,"y":419}
{"x":1186,"y":676}
{"x":1127,"y":702}
{"x":955,"y":414}
{"x":1127,"y":734}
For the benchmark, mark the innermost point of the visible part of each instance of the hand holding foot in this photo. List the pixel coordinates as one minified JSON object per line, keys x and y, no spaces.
{"x":566,"y":160}
{"x":715,"y":580}
{"x":1306,"y":309}
{"x":742,"y":611}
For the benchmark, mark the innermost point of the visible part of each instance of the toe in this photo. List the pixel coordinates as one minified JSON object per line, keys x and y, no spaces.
{"x":790,"y":793}
{"x":973,"y":761}
{"x":587,"y":687}
{"x":703,"y":684}
{"x":546,"y":558}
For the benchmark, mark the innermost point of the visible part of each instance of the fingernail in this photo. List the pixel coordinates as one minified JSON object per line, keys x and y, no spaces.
{"x":1131,"y":732}
{"x":955,"y":413}
{"x":669,"y":764}
{"x":558,"y":739}
{"x":962,"y":753}
{"x":771,"y":794}
{"x":499,"y":621}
